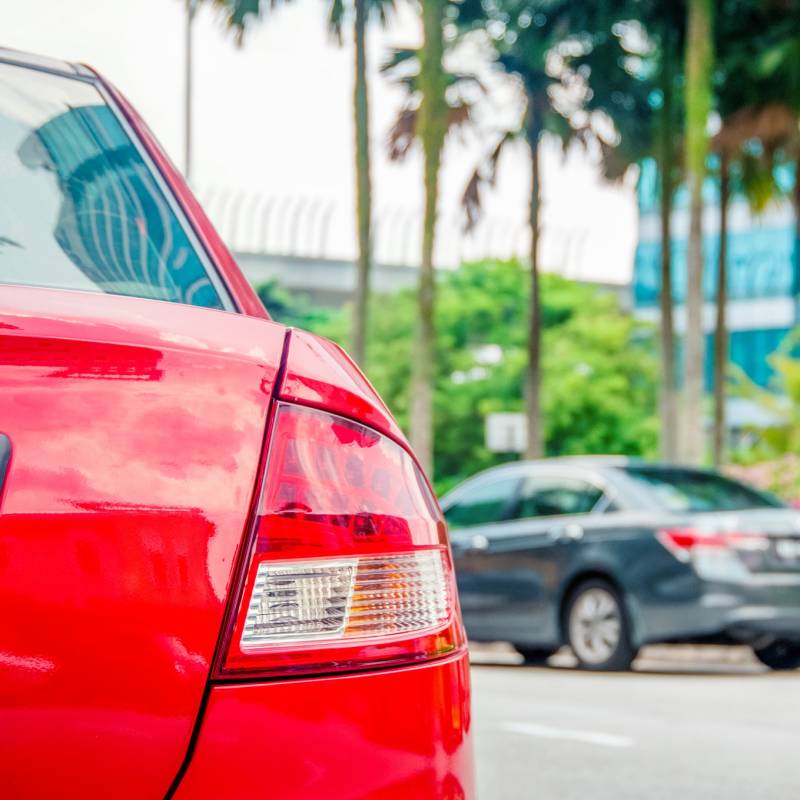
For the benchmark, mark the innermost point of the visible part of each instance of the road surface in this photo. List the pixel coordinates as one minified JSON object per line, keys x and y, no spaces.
{"x":689,"y":723}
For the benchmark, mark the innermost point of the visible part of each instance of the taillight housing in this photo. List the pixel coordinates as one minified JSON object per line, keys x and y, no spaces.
{"x":687,"y":543}
{"x":348,"y":564}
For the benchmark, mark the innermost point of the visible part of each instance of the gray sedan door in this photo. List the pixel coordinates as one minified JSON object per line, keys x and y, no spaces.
{"x":510,"y":570}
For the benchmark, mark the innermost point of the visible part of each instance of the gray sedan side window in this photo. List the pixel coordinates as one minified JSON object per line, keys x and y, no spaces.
{"x":552,"y":497}
{"x":486,"y":503}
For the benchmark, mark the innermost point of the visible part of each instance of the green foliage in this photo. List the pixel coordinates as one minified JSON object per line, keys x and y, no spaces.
{"x":781,"y":402}
{"x":291,"y":309}
{"x":770,"y":456}
{"x":599,"y":365}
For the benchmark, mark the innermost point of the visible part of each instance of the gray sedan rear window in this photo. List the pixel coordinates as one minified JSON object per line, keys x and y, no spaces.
{"x":693,"y":490}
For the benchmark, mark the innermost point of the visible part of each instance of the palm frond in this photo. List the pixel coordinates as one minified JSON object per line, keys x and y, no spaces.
{"x":402,"y":133}
{"x":483,"y":177}
{"x":774,"y":124}
{"x":238,"y":15}
{"x":383,"y":10}
{"x":336,"y":15}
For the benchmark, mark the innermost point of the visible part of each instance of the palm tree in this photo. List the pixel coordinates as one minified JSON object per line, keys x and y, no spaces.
{"x":669,"y":32}
{"x":754,"y":105}
{"x":777,"y":116}
{"x":532,"y":55}
{"x":624,"y":72}
{"x":437,"y":102}
{"x":237,"y":14}
{"x":698,"y":102}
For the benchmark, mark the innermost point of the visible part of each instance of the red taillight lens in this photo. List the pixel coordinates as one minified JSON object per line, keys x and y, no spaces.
{"x":349,"y":565}
{"x":683,"y":542}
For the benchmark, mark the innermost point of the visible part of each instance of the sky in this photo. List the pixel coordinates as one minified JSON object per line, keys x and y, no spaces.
{"x":272,"y":130}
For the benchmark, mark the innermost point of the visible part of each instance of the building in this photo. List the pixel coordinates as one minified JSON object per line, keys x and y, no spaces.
{"x":762,"y":273}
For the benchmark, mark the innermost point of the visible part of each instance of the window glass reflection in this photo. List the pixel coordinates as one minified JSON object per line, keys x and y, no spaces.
{"x":80,"y":208}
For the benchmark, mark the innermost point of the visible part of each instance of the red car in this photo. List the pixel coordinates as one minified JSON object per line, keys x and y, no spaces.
{"x":222,"y":571}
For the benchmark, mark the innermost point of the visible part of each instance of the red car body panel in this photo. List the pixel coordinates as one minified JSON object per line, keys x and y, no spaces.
{"x":138,"y":435}
{"x":131,"y":478}
{"x":320,"y":374}
{"x":394,"y":735}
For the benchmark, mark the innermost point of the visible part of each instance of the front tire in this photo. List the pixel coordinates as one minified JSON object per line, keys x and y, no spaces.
{"x":596,"y":627}
{"x":779,"y":655}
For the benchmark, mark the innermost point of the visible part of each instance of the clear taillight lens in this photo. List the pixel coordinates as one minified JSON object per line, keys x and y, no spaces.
{"x":348,"y":562}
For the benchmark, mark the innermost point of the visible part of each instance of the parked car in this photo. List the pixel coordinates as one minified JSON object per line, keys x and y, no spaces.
{"x":222,"y":571}
{"x":609,"y":554}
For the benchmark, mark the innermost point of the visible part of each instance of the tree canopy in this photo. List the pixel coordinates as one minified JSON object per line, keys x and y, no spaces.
{"x":599,"y":367}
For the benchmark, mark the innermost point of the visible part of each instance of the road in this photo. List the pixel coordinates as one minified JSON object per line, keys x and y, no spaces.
{"x":688,"y":723}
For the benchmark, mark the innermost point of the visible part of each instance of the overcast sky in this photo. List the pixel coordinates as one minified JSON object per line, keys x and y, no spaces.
{"x":273,"y":120}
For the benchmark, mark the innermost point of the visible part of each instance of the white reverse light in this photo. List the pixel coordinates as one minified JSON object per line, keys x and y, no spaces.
{"x":335,"y":599}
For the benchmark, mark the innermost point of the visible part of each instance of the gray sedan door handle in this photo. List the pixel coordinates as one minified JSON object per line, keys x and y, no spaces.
{"x":571,"y":532}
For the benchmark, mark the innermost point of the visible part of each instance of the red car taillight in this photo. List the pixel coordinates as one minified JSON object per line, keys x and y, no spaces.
{"x":348,"y":565}
{"x":683,"y":542}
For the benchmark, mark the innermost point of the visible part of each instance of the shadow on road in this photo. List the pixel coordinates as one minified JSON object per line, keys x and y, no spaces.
{"x":677,"y":660}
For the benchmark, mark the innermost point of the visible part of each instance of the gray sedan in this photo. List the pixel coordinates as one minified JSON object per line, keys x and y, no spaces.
{"x":609,"y":554}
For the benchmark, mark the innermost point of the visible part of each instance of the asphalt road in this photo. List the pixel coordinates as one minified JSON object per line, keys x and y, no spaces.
{"x":688,"y":723}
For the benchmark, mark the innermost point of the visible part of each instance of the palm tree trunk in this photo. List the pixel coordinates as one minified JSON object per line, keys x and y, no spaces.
{"x":699,"y":59}
{"x":533,"y":377}
{"x":669,"y":392}
{"x":432,"y":125}
{"x":363,"y":187}
{"x":721,"y":328}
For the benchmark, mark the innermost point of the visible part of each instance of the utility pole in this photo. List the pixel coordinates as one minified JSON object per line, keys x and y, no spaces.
{"x":191,"y":10}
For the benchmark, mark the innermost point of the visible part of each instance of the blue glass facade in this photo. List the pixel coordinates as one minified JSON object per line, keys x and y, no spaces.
{"x":762,"y":278}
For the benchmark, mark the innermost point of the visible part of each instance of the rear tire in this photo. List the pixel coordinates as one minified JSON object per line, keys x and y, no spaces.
{"x":533,"y":655}
{"x":596,"y":627}
{"x":779,"y":655}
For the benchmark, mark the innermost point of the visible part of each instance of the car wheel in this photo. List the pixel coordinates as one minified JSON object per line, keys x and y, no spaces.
{"x":597,"y":629}
{"x":779,"y":655}
{"x":534,"y":655}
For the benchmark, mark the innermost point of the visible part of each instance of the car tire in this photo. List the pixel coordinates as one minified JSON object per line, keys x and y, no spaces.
{"x":596,"y":627}
{"x":534,"y":655}
{"x":779,"y":655}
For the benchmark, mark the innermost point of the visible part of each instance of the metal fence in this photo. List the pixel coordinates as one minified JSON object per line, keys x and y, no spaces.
{"x":319,"y":227}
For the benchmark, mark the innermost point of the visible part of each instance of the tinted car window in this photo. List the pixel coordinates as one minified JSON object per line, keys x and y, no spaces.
{"x":81,"y":208}
{"x":488,"y":502}
{"x":692,"y":490}
{"x":551,"y":497}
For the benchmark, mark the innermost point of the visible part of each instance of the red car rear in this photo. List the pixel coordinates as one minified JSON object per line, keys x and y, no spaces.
{"x":222,"y":572}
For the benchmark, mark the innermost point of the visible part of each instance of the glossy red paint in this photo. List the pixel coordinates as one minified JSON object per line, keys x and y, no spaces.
{"x":136,"y":431}
{"x":395,"y":735}
{"x":244,"y":296}
{"x":319,"y":373}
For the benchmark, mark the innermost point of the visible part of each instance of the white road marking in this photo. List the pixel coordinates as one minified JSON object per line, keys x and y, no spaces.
{"x":549,"y":732}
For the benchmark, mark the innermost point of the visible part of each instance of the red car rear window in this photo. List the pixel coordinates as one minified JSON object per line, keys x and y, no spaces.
{"x":88,"y":212}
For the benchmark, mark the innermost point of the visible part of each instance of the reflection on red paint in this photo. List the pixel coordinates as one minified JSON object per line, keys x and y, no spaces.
{"x":319,"y":373}
{"x":133,"y":466}
{"x":393,"y":735}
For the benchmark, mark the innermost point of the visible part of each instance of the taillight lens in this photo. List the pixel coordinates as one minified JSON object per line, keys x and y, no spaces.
{"x":348,"y":565}
{"x":684,"y":543}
